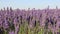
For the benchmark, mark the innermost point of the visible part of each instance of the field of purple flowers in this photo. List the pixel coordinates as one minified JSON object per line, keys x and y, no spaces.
{"x":46,"y":21}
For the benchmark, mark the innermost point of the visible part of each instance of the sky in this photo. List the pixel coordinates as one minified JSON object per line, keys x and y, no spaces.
{"x":24,"y":4}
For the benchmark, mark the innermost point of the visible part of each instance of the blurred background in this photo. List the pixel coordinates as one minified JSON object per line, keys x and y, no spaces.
{"x":24,"y":4}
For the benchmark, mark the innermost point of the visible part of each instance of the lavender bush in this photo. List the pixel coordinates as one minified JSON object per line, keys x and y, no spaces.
{"x":33,"y":21}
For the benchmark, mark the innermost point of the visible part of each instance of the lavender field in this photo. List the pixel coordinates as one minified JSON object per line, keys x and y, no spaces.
{"x":34,"y":21}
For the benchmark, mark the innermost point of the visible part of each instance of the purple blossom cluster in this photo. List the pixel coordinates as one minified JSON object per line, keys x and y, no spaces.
{"x":11,"y":20}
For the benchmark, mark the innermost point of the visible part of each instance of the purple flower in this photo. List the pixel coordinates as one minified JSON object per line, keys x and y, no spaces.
{"x":11,"y":32}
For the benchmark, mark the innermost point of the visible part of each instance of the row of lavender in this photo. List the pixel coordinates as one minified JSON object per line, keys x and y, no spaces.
{"x":46,"y":21}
